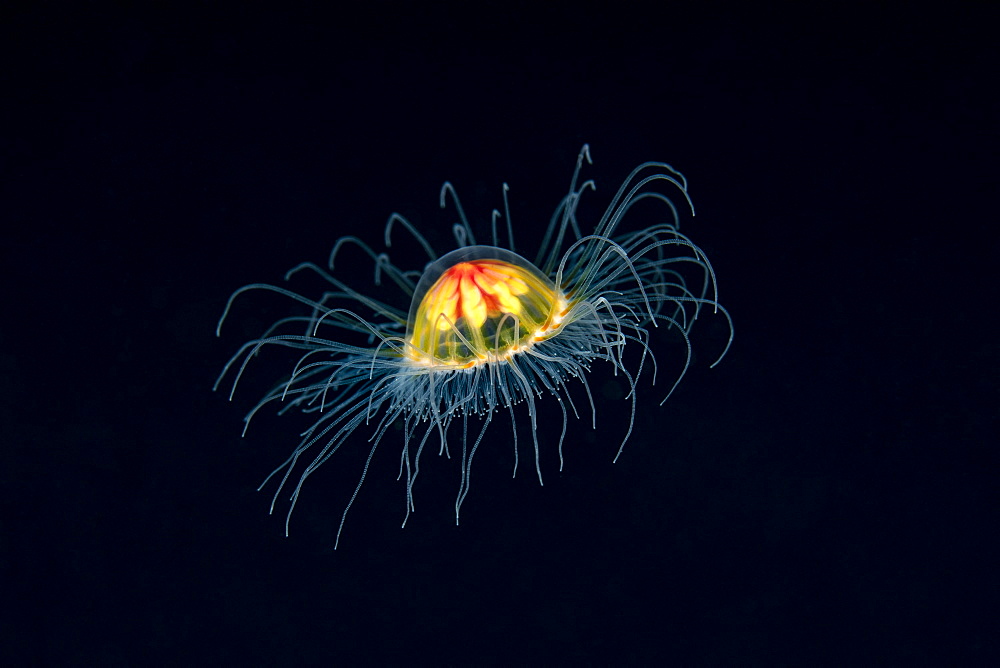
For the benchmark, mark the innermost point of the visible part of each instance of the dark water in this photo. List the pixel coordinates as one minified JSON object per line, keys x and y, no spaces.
{"x":826,"y":495}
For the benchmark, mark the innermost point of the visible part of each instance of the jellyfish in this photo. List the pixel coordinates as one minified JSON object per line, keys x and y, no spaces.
{"x":487,"y":333}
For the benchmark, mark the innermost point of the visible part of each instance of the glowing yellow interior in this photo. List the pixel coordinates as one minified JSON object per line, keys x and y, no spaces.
{"x":483,"y":304}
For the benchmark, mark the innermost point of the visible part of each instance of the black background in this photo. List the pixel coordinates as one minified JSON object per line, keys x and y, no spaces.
{"x":826,"y":494}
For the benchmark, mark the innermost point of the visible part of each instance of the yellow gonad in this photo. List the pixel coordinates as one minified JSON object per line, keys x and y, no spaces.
{"x":480,"y":304}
